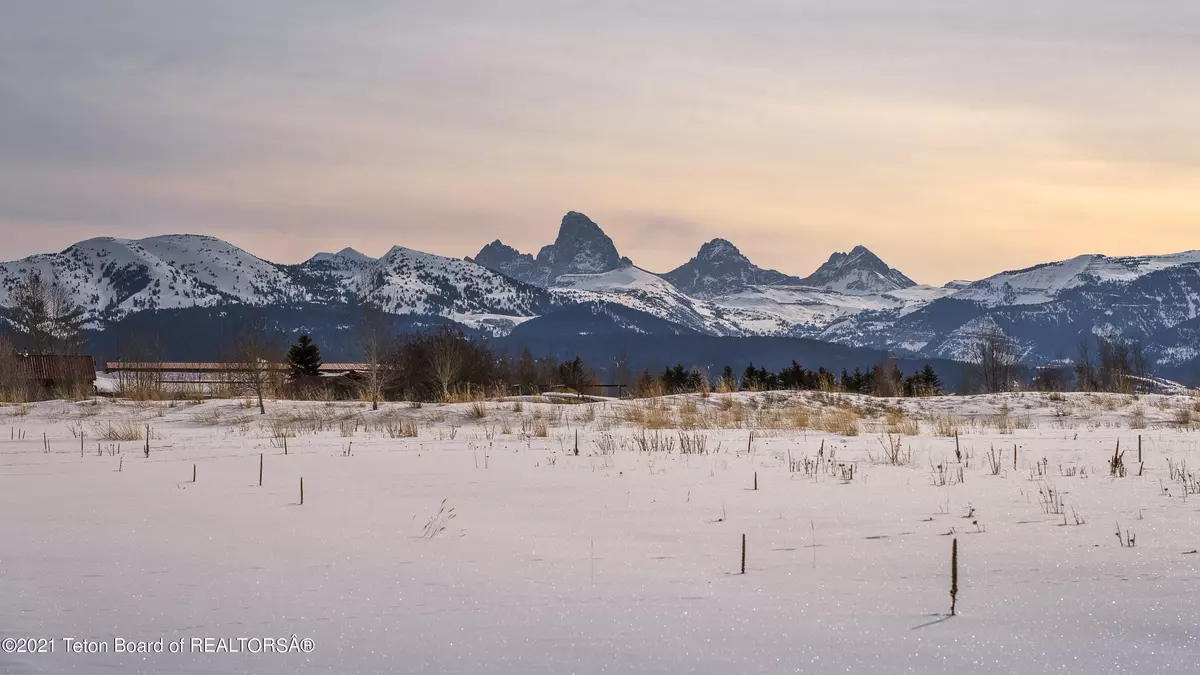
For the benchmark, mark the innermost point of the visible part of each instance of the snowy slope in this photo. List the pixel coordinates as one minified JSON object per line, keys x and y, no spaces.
{"x":641,"y":290}
{"x":113,"y":277}
{"x":1043,"y":283}
{"x":411,"y":282}
{"x":803,"y":311}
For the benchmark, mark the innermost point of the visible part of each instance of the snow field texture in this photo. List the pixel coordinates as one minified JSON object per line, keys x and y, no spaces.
{"x":486,"y":545}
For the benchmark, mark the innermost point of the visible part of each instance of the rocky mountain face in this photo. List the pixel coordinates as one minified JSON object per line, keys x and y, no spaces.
{"x":500,"y":257}
{"x":581,"y":248}
{"x":719,"y":268}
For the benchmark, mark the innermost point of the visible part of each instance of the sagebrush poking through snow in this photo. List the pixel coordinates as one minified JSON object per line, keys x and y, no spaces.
{"x":449,"y":531}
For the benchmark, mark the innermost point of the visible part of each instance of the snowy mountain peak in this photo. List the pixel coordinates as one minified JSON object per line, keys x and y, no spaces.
{"x":581,"y":247}
{"x":719,"y":269}
{"x":345,"y":256}
{"x":859,"y":272}
{"x":352,"y":254}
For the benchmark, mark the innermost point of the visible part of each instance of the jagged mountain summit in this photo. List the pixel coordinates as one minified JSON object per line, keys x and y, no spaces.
{"x":718,"y":269}
{"x":580,"y":248}
{"x":859,"y":272}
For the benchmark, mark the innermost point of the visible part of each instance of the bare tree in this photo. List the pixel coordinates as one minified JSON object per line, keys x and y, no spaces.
{"x":995,"y":357}
{"x":1141,"y":365}
{"x":255,"y":355}
{"x":1114,"y":368}
{"x":446,"y":356}
{"x":888,"y":381}
{"x":1085,"y":368}
{"x":45,"y":312}
{"x":374,"y":339}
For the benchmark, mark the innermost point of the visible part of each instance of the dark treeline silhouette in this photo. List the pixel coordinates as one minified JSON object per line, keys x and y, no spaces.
{"x":443,"y":364}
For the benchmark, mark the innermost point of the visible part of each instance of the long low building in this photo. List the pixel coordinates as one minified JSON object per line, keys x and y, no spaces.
{"x":213,"y":367}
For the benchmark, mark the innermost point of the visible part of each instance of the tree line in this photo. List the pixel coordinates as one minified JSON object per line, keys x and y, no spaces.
{"x":443,"y":364}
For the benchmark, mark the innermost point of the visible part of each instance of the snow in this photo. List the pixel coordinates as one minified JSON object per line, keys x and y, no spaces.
{"x":171,"y":271}
{"x":916,"y":297}
{"x":619,"y":563}
{"x":1042,"y":283}
{"x":646,"y":292}
{"x":801,"y":306}
{"x":345,"y":255}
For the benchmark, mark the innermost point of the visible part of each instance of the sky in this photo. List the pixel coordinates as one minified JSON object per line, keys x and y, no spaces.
{"x":955,"y":138}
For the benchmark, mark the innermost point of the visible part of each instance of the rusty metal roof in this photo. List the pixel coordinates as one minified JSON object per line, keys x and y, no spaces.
{"x":57,"y":367}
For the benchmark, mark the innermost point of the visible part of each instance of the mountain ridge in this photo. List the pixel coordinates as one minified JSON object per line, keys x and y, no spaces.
{"x":854,"y":298}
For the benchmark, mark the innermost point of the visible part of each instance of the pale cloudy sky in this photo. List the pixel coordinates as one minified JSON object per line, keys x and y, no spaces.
{"x":955,"y":138}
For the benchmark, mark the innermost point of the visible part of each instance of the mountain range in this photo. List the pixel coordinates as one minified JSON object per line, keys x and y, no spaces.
{"x":855,"y":299}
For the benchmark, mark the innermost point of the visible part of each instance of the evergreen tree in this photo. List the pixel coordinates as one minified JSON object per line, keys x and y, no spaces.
{"x":750,"y":377}
{"x":574,"y":375}
{"x":679,"y":380}
{"x":728,"y":378}
{"x":304,"y":358}
{"x":931,"y":381}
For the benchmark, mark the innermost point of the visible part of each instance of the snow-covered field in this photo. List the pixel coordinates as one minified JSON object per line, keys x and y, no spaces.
{"x":616,"y":560}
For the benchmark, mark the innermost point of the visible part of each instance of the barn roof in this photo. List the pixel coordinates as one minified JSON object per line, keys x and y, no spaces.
{"x":215,"y":367}
{"x":57,"y":367}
